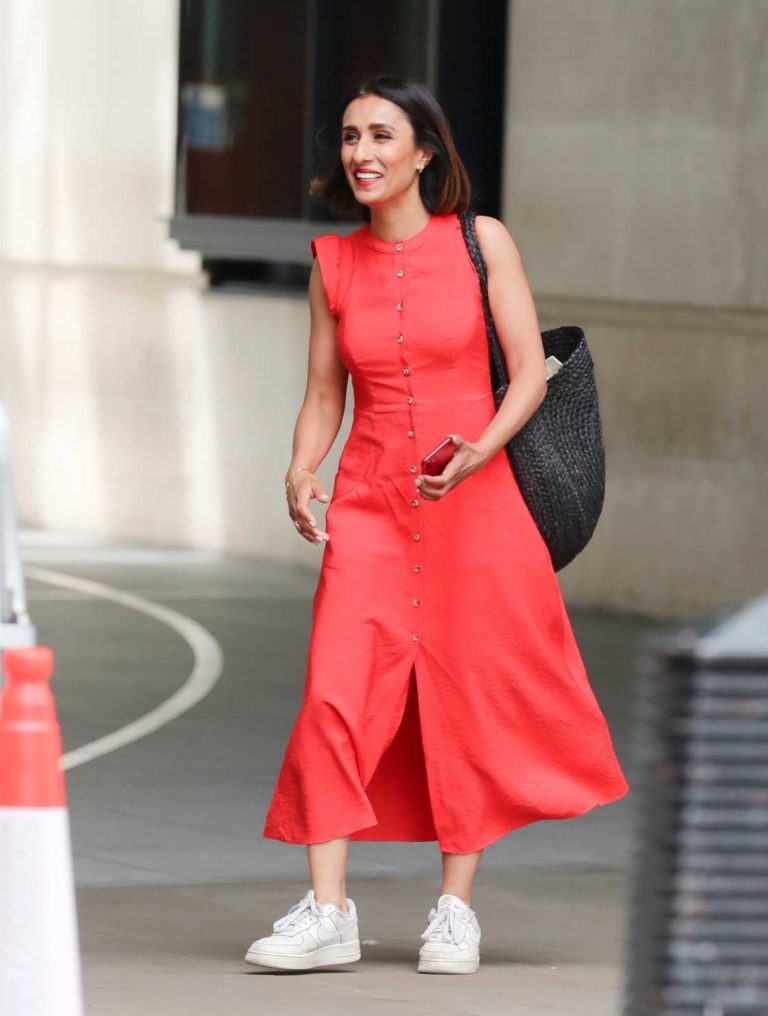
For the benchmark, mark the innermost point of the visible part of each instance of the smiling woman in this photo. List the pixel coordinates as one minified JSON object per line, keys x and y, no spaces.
{"x":445,"y":697}
{"x":382,"y":146}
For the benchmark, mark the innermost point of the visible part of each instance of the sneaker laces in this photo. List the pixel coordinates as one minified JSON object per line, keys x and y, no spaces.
{"x":444,"y":924}
{"x":301,"y":914}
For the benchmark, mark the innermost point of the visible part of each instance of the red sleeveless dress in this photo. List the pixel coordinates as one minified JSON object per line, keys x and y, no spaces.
{"x":445,"y":697}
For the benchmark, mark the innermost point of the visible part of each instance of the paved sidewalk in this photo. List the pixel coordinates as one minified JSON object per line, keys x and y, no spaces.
{"x":551,"y":943}
{"x":174,"y":879}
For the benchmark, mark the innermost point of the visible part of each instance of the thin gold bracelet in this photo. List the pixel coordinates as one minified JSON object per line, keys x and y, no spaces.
{"x":296,"y":470}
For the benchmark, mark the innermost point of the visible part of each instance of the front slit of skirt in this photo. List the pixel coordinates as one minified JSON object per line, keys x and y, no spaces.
{"x":398,"y":789}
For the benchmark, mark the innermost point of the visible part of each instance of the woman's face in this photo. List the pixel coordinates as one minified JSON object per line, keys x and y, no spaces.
{"x":377,"y":137}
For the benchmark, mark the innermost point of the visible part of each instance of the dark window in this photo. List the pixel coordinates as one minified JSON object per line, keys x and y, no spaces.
{"x":243,"y":104}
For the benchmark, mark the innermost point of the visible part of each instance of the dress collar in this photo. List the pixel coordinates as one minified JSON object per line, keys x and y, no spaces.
{"x":402,"y":245}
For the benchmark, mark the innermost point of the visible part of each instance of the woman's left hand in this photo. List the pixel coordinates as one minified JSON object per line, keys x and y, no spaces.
{"x":467,"y":459}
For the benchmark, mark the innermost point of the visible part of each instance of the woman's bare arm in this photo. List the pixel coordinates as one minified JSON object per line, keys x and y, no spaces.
{"x":514,"y":315}
{"x":321,"y":412}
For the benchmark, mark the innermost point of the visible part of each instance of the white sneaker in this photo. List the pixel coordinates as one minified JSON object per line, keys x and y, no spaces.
{"x":310,"y":935}
{"x":451,"y":940}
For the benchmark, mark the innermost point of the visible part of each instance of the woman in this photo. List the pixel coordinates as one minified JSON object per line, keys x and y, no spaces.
{"x":445,"y":698}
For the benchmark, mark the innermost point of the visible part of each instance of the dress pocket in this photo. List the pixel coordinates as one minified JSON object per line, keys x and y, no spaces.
{"x":346,"y":487}
{"x":354,"y":473}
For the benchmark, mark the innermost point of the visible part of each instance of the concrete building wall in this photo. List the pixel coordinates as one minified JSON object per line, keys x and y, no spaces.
{"x":87,"y":133}
{"x":635,"y":185}
{"x":145,"y":407}
{"x":636,"y":147}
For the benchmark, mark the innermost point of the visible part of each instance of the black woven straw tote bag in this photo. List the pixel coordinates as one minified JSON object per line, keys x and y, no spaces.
{"x":558,"y":456}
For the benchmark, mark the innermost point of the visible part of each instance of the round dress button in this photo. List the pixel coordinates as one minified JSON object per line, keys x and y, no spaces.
{"x":409,"y":400}
{"x":417,"y":536}
{"x":414,"y":501}
{"x":411,"y":433}
{"x":415,"y":637}
{"x":399,"y":338}
{"x":416,"y":603}
{"x":399,"y":306}
{"x":412,"y":469}
{"x":398,"y":246}
{"x":406,"y":371}
{"x":400,"y":273}
{"x":417,"y":567}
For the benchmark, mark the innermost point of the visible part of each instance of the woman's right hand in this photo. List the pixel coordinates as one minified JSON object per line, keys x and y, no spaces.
{"x":303,"y":487}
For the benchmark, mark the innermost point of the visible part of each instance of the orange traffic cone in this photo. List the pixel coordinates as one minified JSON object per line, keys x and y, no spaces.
{"x":39,"y":949}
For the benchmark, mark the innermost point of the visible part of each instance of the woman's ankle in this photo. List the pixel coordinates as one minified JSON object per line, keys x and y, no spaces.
{"x":337,"y":898}
{"x":342,"y":906}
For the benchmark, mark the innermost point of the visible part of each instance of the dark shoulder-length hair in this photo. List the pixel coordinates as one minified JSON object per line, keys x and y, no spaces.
{"x":443,"y":184}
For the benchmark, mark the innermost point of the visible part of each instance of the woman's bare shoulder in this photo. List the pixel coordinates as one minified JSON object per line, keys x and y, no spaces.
{"x":495,"y":240}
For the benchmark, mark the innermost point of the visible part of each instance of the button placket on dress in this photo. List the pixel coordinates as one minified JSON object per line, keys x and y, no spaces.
{"x":400,"y":272}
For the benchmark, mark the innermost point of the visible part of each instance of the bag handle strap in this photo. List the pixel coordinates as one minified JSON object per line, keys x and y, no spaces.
{"x":499,"y":375}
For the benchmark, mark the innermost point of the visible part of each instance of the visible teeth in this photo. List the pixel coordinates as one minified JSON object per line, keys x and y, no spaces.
{"x":367,"y":176}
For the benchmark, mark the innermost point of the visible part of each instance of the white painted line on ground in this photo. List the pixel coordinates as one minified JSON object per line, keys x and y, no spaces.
{"x":209,"y":663}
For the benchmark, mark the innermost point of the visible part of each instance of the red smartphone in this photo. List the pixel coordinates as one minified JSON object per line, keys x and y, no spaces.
{"x":434,"y":462}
